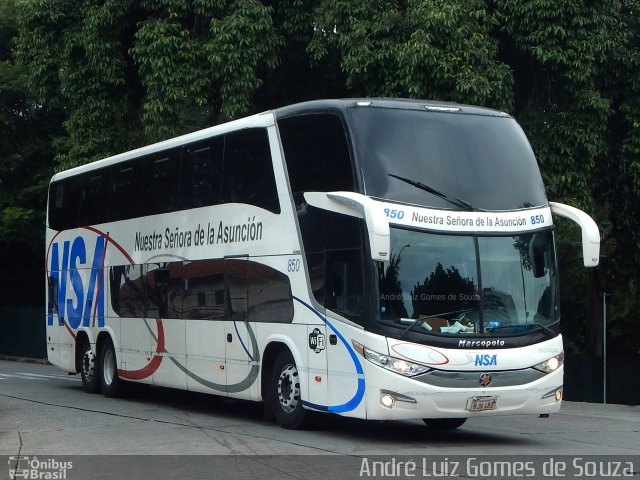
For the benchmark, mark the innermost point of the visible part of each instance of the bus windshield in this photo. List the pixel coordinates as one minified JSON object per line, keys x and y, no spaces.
{"x":466,"y":285}
{"x":482,"y":161}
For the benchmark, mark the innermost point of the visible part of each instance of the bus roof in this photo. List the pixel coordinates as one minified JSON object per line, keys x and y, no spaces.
{"x":258,"y":120}
{"x":268,"y":118}
{"x":395,"y":103}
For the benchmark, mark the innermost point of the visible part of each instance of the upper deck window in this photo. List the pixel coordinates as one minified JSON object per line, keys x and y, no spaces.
{"x":317,"y":153}
{"x":483,"y":160}
{"x":232,"y":168}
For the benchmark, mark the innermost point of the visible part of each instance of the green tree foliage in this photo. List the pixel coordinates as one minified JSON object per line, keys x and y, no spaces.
{"x":78,"y":61}
{"x":576,"y":73}
{"x":128,"y":73}
{"x":200,"y":61}
{"x":561,"y":55}
{"x":419,"y":48}
{"x":25,"y":141}
{"x":26,"y":135}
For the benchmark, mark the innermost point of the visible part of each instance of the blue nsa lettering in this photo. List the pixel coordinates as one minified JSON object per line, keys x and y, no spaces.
{"x":486,"y":360}
{"x":65,"y":271}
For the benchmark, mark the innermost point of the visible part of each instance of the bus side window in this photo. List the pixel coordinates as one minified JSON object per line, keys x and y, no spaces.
{"x":333,"y":248}
{"x":256,"y":292}
{"x":317,"y":153}
{"x":201,"y":173}
{"x":64,"y":203}
{"x":235,"y":279}
{"x":164,"y":290}
{"x":204,"y":289}
{"x":127,"y":287}
{"x":124,"y":196}
{"x":94,"y":207}
{"x":344,"y":282}
{"x":248,"y":170}
{"x":161,"y":180}
{"x":269,"y":294}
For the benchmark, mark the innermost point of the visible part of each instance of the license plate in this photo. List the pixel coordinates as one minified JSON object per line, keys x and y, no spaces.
{"x":479,"y":404}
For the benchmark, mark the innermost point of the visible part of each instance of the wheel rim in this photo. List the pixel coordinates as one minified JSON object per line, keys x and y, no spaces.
{"x":108,"y":367}
{"x":288,"y":388}
{"x":88,"y":364}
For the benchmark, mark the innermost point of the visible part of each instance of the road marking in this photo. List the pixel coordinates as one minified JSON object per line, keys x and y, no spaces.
{"x":37,"y":376}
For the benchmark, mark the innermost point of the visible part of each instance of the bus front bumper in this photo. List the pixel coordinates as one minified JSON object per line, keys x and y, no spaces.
{"x":393,"y":397}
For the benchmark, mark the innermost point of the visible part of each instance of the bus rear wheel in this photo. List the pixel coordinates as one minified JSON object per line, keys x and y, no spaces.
{"x":88,"y":370}
{"x":444,"y":423}
{"x":109,"y":379}
{"x":284,"y":395}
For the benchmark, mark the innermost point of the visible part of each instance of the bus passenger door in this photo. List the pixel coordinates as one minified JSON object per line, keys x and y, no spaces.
{"x":240,"y":341}
{"x":345,"y":297}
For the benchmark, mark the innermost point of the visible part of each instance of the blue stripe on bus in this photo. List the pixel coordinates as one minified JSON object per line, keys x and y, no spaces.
{"x":357,"y":398}
{"x":241,"y":342}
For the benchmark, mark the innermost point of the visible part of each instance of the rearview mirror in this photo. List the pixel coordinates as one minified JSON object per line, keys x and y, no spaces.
{"x":361,"y":206}
{"x":590,"y":232}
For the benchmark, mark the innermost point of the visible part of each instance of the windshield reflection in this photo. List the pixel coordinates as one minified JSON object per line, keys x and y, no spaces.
{"x":462,"y":285}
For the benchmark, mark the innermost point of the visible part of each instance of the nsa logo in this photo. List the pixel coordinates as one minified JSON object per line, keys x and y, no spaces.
{"x":316,"y":340}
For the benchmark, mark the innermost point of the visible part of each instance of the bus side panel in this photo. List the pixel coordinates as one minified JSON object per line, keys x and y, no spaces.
{"x":59,"y":347}
{"x":172,"y":349}
{"x":71,"y":293}
{"x":205,"y":358}
{"x":346,"y":375}
{"x":137,"y":348}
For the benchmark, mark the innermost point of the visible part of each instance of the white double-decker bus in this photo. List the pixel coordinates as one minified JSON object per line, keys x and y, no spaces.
{"x":379,"y":259}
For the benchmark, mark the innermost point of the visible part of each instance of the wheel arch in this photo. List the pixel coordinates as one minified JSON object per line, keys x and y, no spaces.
{"x":271,"y":352}
{"x":103,"y":336}
{"x":274,"y":346}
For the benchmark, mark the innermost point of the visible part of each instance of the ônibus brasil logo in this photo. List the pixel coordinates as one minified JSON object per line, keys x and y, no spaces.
{"x":76,"y":292}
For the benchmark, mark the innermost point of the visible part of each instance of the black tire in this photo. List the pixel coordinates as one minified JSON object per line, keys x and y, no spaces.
{"x":88,"y":368}
{"x":109,"y":381}
{"x":284,"y":393}
{"x":444,"y":423}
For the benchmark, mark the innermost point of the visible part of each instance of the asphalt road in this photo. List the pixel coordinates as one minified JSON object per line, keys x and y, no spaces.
{"x":44,"y":413}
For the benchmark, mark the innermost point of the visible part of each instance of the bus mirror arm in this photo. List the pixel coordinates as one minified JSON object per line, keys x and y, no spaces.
{"x":361,"y":206}
{"x":590,"y":232}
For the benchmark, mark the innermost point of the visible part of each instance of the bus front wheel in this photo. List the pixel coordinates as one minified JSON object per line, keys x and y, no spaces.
{"x":109,"y":380}
{"x":285,"y":398}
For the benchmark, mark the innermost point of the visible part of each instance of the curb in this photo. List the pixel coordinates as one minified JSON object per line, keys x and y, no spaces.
{"x":11,"y":358}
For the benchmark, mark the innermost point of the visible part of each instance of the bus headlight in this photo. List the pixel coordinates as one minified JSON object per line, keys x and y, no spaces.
{"x":550,"y":365}
{"x":397,"y":365}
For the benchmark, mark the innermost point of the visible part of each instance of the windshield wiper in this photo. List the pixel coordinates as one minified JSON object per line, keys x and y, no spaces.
{"x":533,"y":324}
{"x":449,"y":198}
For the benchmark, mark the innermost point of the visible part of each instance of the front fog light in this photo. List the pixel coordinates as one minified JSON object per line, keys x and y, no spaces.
{"x":550,"y":365}
{"x":387,"y":400}
{"x":556,"y":393}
